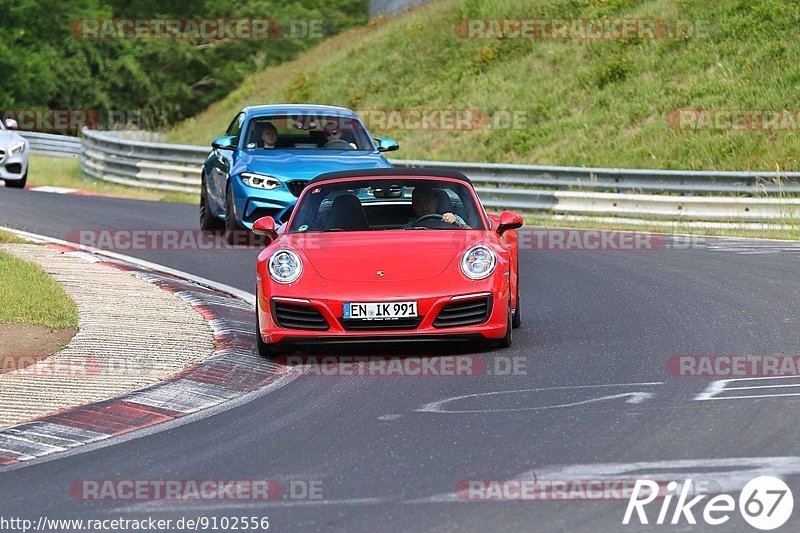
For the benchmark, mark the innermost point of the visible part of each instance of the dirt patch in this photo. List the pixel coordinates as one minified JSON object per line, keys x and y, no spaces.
{"x":22,"y":344}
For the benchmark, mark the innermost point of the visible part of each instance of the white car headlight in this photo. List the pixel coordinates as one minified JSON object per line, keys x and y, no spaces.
{"x":260,"y":181}
{"x":478,"y":262}
{"x":285,"y":266}
{"x":16,"y":148}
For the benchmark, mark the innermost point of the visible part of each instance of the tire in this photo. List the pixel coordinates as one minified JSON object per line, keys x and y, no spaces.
{"x":232,"y":229}
{"x":267,"y":351}
{"x":208,"y":222}
{"x":18,"y":184}
{"x":506,"y":341}
{"x":517,"y":315}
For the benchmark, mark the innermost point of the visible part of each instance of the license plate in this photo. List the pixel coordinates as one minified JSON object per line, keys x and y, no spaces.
{"x":379,"y":311}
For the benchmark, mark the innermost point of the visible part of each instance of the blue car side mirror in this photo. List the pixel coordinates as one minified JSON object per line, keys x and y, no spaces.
{"x":386,"y":145}
{"x":225,"y":142}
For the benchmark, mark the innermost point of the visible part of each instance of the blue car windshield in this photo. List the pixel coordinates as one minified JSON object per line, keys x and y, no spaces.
{"x":307,"y":131}
{"x":404,"y":204}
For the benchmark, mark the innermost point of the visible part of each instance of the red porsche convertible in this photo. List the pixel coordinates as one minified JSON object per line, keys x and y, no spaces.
{"x":387,"y":254}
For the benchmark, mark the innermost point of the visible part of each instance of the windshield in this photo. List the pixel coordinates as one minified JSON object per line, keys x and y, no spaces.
{"x":307,"y":132}
{"x":387,"y":204}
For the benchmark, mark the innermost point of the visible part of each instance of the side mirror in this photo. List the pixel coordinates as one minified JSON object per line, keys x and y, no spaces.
{"x":386,"y":145}
{"x":225,"y":142}
{"x":265,"y":226}
{"x":12,"y":124}
{"x":508,"y":220}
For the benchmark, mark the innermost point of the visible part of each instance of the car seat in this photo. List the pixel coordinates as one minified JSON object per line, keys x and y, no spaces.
{"x":346,"y":213}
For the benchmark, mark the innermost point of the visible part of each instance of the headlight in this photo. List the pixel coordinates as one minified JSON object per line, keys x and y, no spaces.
{"x":478,"y":262}
{"x":285,"y":266}
{"x":16,"y":148}
{"x":260,"y":181}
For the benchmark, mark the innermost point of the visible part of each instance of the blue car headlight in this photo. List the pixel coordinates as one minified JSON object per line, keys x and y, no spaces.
{"x":260,"y":181}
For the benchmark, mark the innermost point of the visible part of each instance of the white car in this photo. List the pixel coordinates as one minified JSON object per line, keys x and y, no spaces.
{"x":14,"y":153}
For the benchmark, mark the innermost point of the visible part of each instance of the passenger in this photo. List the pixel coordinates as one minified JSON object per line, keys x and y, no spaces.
{"x":269,"y":136}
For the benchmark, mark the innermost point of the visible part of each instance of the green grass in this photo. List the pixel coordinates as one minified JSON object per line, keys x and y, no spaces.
{"x":6,"y":237}
{"x":30,"y":296}
{"x":587,"y":103}
{"x":66,"y":172}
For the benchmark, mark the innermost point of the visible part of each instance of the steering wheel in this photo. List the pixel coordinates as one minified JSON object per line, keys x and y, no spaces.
{"x":431,"y":216}
{"x":338,"y":144}
{"x":435,"y":221}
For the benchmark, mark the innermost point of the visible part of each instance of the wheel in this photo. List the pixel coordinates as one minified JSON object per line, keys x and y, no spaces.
{"x":505,"y":342}
{"x":232,"y":229}
{"x":517,"y":316}
{"x":268,"y":351}
{"x":208,"y":222}
{"x":18,"y":184}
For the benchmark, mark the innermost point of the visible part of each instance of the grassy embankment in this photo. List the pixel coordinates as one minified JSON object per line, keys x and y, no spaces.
{"x":584,"y":103}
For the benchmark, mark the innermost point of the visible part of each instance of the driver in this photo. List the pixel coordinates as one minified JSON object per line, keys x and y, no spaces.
{"x":423,"y":201}
{"x":333,"y":137}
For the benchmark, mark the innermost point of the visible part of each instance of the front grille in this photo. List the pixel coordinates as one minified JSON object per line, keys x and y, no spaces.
{"x":466,"y":313}
{"x":296,"y":186}
{"x":298,"y":316}
{"x":399,"y":323}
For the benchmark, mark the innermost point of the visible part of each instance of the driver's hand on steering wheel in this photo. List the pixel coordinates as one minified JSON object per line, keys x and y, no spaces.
{"x":450,"y":218}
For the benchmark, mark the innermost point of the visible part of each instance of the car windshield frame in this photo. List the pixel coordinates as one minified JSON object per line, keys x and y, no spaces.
{"x":353,"y":131}
{"x":474,"y":216}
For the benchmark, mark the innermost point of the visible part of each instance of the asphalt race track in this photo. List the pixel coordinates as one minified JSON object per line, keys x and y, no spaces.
{"x":596,"y":399}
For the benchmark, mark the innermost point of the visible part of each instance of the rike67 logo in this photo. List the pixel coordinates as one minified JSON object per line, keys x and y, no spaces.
{"x":765,"y":503}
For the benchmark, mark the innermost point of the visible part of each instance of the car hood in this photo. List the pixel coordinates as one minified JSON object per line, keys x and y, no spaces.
{"x":307,"y":164}
{"x":7,"y":137}
{"x":401,"y":255}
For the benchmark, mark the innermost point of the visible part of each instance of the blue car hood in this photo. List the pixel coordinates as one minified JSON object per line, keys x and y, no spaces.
{"x":307,"y":164}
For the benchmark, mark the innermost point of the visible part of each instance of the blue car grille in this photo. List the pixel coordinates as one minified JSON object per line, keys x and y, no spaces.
{"x":296,"y":186}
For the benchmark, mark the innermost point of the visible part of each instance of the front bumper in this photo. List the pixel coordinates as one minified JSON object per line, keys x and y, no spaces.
{"x":252,"y":204}
{"x":14,"y":168}
{"x":428,"y":326}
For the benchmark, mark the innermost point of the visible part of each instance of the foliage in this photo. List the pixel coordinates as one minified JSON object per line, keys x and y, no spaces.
{"x":150,"y":82}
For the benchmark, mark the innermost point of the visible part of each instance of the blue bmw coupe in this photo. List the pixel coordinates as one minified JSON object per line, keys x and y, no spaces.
{"x":269,"y":153}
